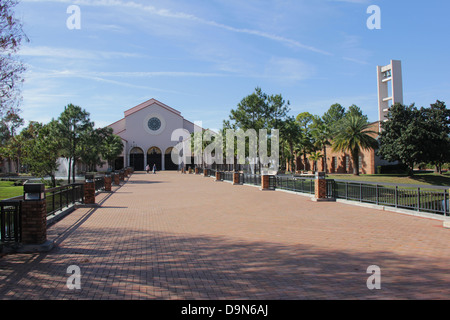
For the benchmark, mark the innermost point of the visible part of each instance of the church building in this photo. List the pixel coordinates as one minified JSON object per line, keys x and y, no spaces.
{"x":146,"y":132}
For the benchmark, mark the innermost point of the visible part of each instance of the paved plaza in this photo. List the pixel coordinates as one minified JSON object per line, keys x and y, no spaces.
{"x":183,"y":236}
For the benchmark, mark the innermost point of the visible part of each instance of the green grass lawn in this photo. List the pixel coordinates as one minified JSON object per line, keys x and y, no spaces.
{"x":8,"y":190}
{"x":427,"y":179}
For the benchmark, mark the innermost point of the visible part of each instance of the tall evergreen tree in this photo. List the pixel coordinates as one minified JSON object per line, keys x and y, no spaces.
{"x":291,"y":135}
{"x":259,"y":111}
{"x":305,"y":120}
{"x":333,"y":116}
{"x":322,"y":134}
{"x":74,"y":125}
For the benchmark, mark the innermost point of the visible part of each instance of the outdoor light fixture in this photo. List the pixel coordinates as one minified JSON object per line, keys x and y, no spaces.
{"x":33,"y":191}
{"x":89,"y":178}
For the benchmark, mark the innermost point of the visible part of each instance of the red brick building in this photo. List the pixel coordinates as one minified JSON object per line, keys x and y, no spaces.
{"x":342,"y":162}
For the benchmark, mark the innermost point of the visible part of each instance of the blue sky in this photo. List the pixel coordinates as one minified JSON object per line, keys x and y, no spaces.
{"x":202,"y":57}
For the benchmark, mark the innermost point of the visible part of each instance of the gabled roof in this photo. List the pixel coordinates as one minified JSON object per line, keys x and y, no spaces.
{"x":149,"y":103}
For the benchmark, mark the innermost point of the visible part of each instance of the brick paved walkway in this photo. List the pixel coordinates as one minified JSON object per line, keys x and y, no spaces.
{"x":173,"y":236}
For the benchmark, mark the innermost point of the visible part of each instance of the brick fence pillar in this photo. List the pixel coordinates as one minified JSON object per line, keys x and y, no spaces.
{"x":116,"y":179}
{"x":108,"y":182}
{"x":236,"y":178}
{"x":218,"y":176}
{"x":205,"y":173}
{"x":264,"y":182}
{"x":89,"y":192}
{"x":196,"y":171}
{"x":121,"y":175}
{"x":320,"y":187}
{"x":34,"y":222}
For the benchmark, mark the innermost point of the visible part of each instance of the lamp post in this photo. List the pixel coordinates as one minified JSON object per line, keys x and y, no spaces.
{"x":33,"y":192}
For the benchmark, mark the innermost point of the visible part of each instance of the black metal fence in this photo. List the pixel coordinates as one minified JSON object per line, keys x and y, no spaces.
{"x":249,"y":178}
{"x":57,"y":199}
{"x":10,"y":221}
{"x":296,"y":184}
{"x":419,"y":199}
{"x":63,"y":197}
{"x":227,"y":176}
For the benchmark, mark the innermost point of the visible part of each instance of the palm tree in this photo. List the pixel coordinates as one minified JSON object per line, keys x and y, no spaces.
{"x":353,"y":136}
{"x":291,"y":134}
{"x":315,"y":156}
{"x":322,"y":134}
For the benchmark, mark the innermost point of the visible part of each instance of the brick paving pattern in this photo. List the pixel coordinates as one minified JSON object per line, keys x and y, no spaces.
{"x":172,"y":236}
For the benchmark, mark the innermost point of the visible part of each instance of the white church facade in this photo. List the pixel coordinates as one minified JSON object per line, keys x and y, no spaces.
{"x":146,"y":132}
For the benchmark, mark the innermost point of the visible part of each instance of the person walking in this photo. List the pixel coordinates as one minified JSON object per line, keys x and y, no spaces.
{"x":154,"y":168}
{"x":147,"y":168}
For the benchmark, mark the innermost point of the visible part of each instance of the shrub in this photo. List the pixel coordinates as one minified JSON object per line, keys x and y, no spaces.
{"x":393,"y":169}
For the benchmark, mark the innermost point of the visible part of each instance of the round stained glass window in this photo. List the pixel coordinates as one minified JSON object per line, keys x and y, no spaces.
{"x":154,"y":124}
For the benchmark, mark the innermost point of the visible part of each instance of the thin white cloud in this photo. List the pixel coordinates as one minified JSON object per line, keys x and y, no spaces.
{"x":66,"y":53}
{"x":102,"y":74}
{"x":36,"y":76}
{"x":185,"y":16}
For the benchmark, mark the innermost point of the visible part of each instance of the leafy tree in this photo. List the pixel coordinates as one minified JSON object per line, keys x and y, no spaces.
{"x":92,"y":145}
{"x":42,"y":149}
{"x":305,"y":119}
{"x":436,"y":150}
{"x":403,"y":136}
{"x":73,"y":125}
{"x":11,"y":69}
{"x":112,"y":148}
{"x":9,"y":143}
{"x":354,"y":135}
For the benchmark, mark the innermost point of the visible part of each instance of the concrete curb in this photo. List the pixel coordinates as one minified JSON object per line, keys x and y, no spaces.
{"x":397,"y":210}
{"x":445,"y":220}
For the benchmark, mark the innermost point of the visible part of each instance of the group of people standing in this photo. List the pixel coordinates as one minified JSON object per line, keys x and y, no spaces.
{"x":148,"y":168}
